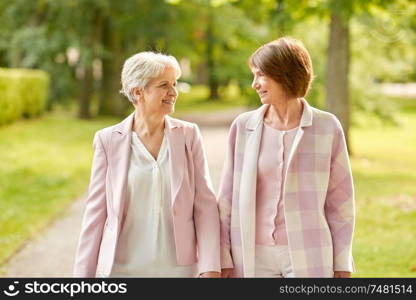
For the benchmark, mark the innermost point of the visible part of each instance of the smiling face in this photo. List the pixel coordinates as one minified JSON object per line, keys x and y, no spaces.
{"x":159,"y":95}
{"x":268,"y":89}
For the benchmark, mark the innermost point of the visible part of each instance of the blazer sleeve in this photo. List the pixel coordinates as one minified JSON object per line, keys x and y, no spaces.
{"x":339,"y":204}
{"x":225,"y":196}
{"x":206,"y":216}
{"x":94,"y":217}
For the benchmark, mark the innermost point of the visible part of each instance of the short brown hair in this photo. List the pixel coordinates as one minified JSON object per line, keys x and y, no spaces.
{"x":287,"y":61}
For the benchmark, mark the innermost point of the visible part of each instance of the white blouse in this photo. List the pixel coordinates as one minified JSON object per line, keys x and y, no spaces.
{"x":146,"y":246}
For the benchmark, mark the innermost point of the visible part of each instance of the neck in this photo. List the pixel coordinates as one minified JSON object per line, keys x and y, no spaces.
{"x":147,"y":124}
{"x":285,"y":113}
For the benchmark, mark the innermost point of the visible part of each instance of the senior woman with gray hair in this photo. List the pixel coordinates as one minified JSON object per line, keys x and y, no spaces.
{"x":151,"y":210}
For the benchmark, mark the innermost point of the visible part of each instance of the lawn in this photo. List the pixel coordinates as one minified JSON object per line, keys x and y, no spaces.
{"x":45,"y":165}
{"x":384,"y":168}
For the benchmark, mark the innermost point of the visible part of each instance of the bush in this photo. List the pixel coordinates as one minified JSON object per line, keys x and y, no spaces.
{"x":23,"y":92}
{"x":10,"y":107}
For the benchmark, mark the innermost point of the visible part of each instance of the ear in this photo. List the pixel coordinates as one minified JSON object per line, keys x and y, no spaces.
{"x":138,"y":94}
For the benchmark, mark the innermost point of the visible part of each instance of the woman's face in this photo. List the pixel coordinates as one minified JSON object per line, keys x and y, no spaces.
{"x":269,"y":91}
{"x":160,"y":93}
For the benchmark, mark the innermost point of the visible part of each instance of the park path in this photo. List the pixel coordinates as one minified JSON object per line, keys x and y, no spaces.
{"x":52,"y":253}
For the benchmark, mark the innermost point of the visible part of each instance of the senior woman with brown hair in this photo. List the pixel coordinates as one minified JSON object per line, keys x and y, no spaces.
{"x":286,"y":196}
{"x":151,"y":210}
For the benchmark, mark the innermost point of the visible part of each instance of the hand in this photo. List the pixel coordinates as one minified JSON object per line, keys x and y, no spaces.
{"x":210,"y":275}
{"x":342,"y":274}
{"x":227,"y":273}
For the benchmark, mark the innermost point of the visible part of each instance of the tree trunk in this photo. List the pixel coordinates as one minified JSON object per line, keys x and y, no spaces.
{"x":86,"y":94}
{"x":90,"y":41}
{"x":110,"y":100}
{"x":337,"y":83}
{"x":280,"y":10}
{"x":3,"y":59}
{"x":213,"y":82}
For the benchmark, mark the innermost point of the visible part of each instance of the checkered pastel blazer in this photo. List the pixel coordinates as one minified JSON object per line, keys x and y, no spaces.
{"x":318,"y":196}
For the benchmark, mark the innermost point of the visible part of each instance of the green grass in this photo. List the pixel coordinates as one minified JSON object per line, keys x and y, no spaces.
{"x":45,"y":165}
{"x":384,"y":168}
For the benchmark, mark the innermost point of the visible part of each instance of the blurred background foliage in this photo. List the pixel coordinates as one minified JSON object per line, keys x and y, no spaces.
{"x":83,"y":43}
{"x":355,"y":46}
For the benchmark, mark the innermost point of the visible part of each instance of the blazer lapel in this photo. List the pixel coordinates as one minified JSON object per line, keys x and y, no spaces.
{"x":247,"y":204}
{"x":305,"y":121}
{"x":176,"y":146}
{"x":119,"y":159}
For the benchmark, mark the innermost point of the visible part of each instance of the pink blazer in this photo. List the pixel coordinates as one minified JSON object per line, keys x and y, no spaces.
{"x":318,"y":196}
{"x":194,"y":206}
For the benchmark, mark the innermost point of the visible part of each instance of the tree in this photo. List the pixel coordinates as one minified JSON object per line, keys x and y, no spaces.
{"x":110,"y":101}
{"x":86,"y":21}
{"x":338,"y":60}
{"x":226,"y":45}
{"x":337,"y":72}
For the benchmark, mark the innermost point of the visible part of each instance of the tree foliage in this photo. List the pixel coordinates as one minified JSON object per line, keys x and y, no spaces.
{"x":83,"y":43}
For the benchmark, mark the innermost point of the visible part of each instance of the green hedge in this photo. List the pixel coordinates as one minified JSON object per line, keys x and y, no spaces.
{"x":23,"y":93}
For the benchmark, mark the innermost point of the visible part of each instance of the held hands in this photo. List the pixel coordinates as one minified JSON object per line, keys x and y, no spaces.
{"x":210,"y":275}
{"x":342,"y":274}
{"x":227,"y":273}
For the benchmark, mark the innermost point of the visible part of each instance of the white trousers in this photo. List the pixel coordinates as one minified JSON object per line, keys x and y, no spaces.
{"x":273,"y":262}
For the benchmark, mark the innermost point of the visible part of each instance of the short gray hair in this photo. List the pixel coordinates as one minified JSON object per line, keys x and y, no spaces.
{"x":143,"y":66}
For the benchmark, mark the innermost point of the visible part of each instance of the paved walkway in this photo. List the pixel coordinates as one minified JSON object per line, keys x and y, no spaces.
{"x":52,"y":254}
